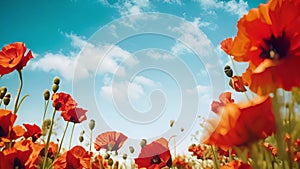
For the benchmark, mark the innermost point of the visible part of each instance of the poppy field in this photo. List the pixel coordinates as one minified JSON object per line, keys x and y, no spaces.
{"x":260,"y":133}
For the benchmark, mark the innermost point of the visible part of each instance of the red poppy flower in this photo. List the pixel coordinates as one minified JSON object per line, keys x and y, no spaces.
{"x":236,"y":164}
{"x":224,"y":98}
{"x":74,"y":115}
{"x":238,"y":84}
{"x":13,"y":57}
{"x":77,"y":157}
{"x":99,"y":163}
{"x":7,"y":120}
{"x":52,"y":150}
{"x":63,"y":101}
{"x":236,"y":127}
{"x":155,"y":155}
{"x":33,"y":131}
{"x":16,"y":157}
{"x":111,"y":141}
{"x":271,"y":148}
{"x":180,"y":163}
{"x":198,"y":150}
{"x":297,"y":157}
{"x":273,"y":50}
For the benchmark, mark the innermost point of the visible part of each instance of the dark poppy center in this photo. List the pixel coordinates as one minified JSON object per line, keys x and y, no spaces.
{"x":155,"y":160}
{"x":17,"y":164}
{"x":2,"y":132}
{"x":275,"y":47}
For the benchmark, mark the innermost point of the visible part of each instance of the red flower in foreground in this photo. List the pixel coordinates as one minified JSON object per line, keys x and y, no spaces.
{"x":235,"y":164}
{"x":13,"y":57}
{"x":74,"y":115}
{"x":111,"y":141}
{"x":224,"y":98}
{"x":63,"y":101}
{"x":236,"y":127}
{"x":16,"y":157}
{"x":155,"y":155}
{"x":7,"y":120}
{"x":198,"y":150}
{"x":273,"y":50}
{"x":180,"y":163}
{"x":77,"y":157}
{"x":33,"y":131}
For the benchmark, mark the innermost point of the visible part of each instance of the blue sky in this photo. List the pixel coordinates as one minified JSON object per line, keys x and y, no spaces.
{"x":135,"y":65}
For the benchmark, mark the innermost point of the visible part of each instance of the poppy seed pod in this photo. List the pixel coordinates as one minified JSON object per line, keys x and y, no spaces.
{"x":55,"y":87}
{"x":81,"y":139}
{"x":143,"y":142}
{"x":92,"y":124}
{"x":116,"y":166}
{"x":3,"y":91}
{"x":228,"y":71}
{"x":172,"y":123}
{"x":106,"y":156}
{"x":125,"y":156}
{"x":131,"y":149}
{"x":56,"y":80}
{"x":6,"y":100}
{"x":46,"y":94}
{"x":110,"y":161}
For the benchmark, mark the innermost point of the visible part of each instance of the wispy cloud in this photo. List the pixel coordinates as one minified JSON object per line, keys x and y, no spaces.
{"x":232,"y":6}
{"x":108,"y":56}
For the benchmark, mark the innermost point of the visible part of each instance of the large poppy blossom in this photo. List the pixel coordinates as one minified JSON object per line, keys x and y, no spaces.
{"x":77,"y":157}
{"x":16,"y":157}
{"x":13,"y":57}
{"x":74,"y":115}
{"x":111,"y":141}
{"x":155,"y":155}
{"x":33,"y":131}
{"x":7,"y":119}
{"x":63,"y":101}
{"x":273,"y":50}
{"x":236,"y":127}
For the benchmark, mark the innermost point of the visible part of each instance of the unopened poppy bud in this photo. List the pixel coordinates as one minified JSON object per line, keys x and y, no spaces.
{"x":82,"y":132}
{"x":172,"y":123}
{"x":124,"y":156}
{"x":55,"y":87}
{"x":8,"y":95}
{"x":131,"y":149}
{"x":228,"y":71}
{"x":92,"y":124}
{"x":182,"y":129}
{"x":81,"y":139}
{"x":3,"y":91}
{"x":46,"y":94}
{"x":110,"y":161}
{"x":143,"y":142}
{"x":6,"y":100}
{"x":106,"y":156}
{"x":56,"y":80}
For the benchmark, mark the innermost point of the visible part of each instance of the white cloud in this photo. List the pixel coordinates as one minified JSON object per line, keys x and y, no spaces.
{"x":173,"y":2}
{"x":108,"y":57}
{"x":159,"y":55}
{"x":232,"y":6}
{"x":145,"y":81}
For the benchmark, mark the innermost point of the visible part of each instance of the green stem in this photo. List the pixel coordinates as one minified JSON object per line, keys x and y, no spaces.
{"x":91,"y":134}
{"x":45,"y":109}
{"x":48,"y":139}
{"x":19,"y":92}
{"x":71,"y":137}
{"x":215,"y":159}
{"x":62,"y":139}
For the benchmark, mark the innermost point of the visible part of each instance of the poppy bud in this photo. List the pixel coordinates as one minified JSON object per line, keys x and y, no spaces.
{"x":46,"y":94}
{"x":55,"y":87}
{"x":106,"y":156}
{"x":82,"y":132}
{"x":182,"y":129}
{"x":92,"y":124}
{"x":228,"y":71}
{"x":124,"y":156}
{"x":56,"y":80}
{"x":81,"y":139}
{"x":3,"y":91}
{"x":172,"y":123}
{"x":6,"y":99}
{"x":131,"y":149}
{"x":143,"y":142}
{"x":110,"y":161}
